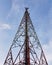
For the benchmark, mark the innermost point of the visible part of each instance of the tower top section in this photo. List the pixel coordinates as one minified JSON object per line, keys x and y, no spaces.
{"x":26,"y":8}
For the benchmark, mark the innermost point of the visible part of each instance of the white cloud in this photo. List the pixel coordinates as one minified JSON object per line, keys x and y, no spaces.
{"x":5,"y":26}
{"x":14,"y":8}
{"x":48,"y":46}
{"x":48,"y":51}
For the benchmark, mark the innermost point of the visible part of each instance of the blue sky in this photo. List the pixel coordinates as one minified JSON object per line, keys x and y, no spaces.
{"x":11,"y":13}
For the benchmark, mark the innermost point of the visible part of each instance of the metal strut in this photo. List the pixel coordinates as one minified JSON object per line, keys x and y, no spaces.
{"x":26,"y":48}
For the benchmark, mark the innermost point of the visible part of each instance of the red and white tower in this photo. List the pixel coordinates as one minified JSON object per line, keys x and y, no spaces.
{"x":26,"y":48}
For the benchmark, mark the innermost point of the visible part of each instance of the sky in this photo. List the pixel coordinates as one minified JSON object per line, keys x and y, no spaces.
{"x":11,"y":13}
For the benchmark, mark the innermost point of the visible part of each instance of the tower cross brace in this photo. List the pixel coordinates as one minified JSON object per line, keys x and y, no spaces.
{"x":26,"y":48}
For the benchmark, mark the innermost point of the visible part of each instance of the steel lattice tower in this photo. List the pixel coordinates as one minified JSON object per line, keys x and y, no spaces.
{"x":26,"y":48}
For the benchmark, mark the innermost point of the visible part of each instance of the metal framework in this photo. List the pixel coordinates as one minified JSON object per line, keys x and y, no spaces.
{"x":26,"y":48}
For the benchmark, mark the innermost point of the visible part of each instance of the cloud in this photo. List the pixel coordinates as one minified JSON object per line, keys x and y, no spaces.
{"x":14,"y":8}
{"x":48,"y":51}
{"x":41,"y":8}
{"x":5,"y":26}
{"x":17,"y":7}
